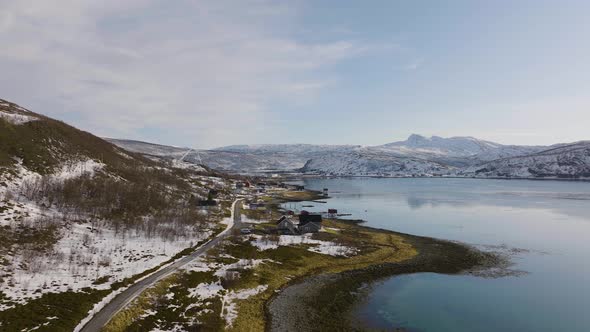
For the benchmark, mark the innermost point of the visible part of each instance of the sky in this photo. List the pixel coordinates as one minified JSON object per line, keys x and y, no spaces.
{"x":212,"y":73}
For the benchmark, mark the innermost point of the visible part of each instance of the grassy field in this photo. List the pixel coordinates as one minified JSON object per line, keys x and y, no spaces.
{"x":294,"y":263}
{"x":165,"y":299}
{"x":295,"y":196}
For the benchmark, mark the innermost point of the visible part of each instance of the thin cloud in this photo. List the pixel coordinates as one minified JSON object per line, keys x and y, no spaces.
{"x":202,"y":72}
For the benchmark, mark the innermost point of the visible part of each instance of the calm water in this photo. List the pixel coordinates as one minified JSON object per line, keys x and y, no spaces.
{"x":550,"y":219}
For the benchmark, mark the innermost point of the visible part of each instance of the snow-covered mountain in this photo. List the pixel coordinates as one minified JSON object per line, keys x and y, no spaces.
{"x":373,"y":163}
{"x":239,"y":158}
{"x":297,"y":149}
{"x":455,"y":151}
{"x":564,"y":161}
{"x":415,"y":156}
{"x":452,"y":146}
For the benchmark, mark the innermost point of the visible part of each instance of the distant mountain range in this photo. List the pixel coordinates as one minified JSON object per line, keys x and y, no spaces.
{"x":416,"y":156}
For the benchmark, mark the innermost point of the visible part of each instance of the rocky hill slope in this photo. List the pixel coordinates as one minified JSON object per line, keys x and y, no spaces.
{"x":79,"y":215}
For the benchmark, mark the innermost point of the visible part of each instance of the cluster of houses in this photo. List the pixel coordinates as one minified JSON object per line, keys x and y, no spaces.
{"x":308,"y":223}
{"x":254,"y":190}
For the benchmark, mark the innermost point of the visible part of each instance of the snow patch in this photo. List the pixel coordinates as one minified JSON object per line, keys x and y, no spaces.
{"x":77,"y":169}
{"x":86,"y":253}
{"x":206,"y":291}
{"x":245,"y":219}
{"x":16,"y":119}
{"x":318,"y":246}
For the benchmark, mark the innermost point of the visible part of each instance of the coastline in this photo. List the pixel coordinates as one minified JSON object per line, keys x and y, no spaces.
{"x":325,"y":301}
{"x":321,"y":176}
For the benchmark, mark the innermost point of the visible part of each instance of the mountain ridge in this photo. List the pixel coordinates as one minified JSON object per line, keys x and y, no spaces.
{"x":416,"y":156}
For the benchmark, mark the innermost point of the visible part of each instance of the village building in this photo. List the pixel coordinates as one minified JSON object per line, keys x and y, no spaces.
{"x":206,"y":204}
{"x":253,"y":206}
{"x":286,"y":226}
{"x":310,"y":223}
{"x":332,"y":213}
{"x":310,"y":227}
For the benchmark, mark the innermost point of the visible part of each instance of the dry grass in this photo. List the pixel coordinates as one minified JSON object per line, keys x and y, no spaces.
{"x":126,"y":317}
{"x":283,"y":265}
{"x":300,"y":195}
{"x":292,"y":263}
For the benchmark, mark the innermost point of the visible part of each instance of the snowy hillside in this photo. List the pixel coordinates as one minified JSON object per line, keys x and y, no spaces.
{"x":148,"y":148}
{"x":298,"y":149}
{"x":368,"y":163}
{"x":565,"y":161}
{"x":239,"y":158}
{"x":79,"y":215}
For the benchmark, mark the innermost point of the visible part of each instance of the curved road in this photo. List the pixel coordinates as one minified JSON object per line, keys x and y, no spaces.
{"x":101,"y":318}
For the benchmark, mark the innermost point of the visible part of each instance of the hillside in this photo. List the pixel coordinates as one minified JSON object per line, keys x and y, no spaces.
{"x":148,"y":148}
{"x":79,"y":216}
{"x":41,"y":144}
{"x":565,"y":161}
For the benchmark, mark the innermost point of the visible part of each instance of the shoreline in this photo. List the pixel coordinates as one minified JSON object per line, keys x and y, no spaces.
{"x":326,"y":301}
{"x":319,"y":176}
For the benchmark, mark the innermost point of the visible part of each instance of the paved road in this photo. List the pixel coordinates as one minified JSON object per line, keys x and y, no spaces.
{"x":120,"y":301}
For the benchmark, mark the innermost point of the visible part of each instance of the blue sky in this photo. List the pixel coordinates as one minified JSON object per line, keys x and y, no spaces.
{"x":212,"y":73}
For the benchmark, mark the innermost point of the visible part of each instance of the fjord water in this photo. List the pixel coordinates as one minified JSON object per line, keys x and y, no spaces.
{"x":547,"y":221}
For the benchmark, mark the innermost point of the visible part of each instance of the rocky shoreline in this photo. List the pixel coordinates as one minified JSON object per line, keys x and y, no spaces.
{"x":324,"y":302}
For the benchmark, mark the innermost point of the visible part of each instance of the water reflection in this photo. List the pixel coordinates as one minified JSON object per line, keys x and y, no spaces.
{"x":568,"y":198}
{"x":540,"y":216}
